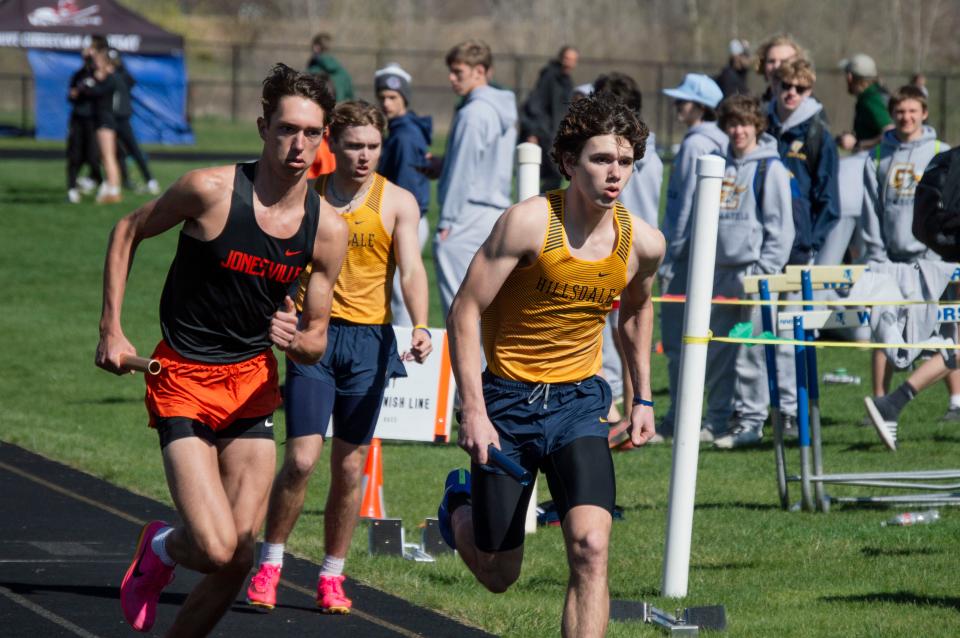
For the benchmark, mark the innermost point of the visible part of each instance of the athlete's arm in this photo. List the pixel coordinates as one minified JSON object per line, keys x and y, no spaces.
{"x":514,"y":240}
{"x":413,"y":276}
{"x":198,"y":198}
{"x":636,"y":324}
{"x":305,"y":343}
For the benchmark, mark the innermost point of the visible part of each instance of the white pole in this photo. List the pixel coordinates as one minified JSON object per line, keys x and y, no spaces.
{"x":529,"y":157}
{"x":693,"y":364}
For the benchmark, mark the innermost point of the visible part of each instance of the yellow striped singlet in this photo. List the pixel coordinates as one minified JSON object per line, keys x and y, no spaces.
{"x":362,"y":292}
{"x":545,"y":324}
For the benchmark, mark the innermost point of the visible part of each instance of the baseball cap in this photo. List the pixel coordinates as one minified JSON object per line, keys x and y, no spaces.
{"x":739,"y":47}
{"x":699,"y":88}
{"x":860,"y":65}
{"x":393,"y":78}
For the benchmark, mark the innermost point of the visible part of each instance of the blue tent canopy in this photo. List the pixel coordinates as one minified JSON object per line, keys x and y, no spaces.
{"x":159,"y":96}
{"x":55,"y":31}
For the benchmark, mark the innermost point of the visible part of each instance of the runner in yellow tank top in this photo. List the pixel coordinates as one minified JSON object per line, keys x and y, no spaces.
{"x":543,"y":283}
{"x":349,"y":381}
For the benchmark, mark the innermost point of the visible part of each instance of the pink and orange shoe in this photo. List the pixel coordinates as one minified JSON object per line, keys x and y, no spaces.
{"x":262,"y":591}
{"x":145,"y":579}
{"x":330,"y":596}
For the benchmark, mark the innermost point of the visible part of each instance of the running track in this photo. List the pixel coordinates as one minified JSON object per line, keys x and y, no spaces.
{"x":66,"y":539}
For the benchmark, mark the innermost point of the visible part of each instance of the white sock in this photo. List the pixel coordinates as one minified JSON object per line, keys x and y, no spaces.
{"x":955,"y":400}
{"x":159,"y":546}
{"x":271,"y":553}
{"x":332,"y":566}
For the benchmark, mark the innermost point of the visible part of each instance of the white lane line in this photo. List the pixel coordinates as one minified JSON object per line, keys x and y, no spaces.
{"x":49,"y":615}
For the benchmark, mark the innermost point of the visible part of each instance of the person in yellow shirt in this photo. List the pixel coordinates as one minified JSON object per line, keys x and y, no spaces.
{"x":539,"y":289}
{"x":349,"y":381}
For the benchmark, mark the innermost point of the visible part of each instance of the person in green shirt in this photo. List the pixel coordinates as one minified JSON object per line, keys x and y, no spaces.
{"x":323,"y":62}
{"x":870,"y":116}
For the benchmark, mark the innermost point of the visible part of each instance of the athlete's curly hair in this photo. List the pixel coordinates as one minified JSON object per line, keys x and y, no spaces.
{"x":598,"y":114}
{"x":283,"y":81}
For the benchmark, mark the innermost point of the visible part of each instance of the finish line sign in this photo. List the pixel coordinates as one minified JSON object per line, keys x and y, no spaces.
{"x":419,"y":406}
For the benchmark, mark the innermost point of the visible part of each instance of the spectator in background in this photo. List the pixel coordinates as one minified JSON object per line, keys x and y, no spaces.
{"x":545,"y":107}
{"x":405,"y":154}
{"x":870,"y":117}
{"x":754,"y":236}
{"x":891,"y":173}
{"x":82,"y":134}
{"x":322,"y":60}
{"x":795,"y":120}
{"x":919,"y":80}
{"x":771,"y":54}
{"x":640,"y":196}
{"x":101,"y":90}
{"x":122,"y":112}
{"x":732,"y":79}
{"x":695,"y":99}
{"x":476,"y":182}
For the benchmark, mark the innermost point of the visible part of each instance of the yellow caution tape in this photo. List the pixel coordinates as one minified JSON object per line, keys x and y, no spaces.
{"x":691,"y":339}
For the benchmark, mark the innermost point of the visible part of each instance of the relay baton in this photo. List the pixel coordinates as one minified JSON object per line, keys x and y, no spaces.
{"x":140,"y":364}
{"x":516,"y":471}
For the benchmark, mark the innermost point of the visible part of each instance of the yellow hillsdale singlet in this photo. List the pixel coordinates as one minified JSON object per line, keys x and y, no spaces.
{"x":362,"y":292}
{"x":545,"y":324}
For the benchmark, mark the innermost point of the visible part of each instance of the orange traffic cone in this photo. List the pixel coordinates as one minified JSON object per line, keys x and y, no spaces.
{"x":372,"y":506}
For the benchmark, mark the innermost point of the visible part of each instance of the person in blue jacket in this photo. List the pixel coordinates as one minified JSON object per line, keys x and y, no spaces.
{"x":808,"y":150}
{"x":405,"y":155}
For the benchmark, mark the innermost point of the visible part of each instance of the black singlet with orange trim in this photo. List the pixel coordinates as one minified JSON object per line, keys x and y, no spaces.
{"x":220,"y":294}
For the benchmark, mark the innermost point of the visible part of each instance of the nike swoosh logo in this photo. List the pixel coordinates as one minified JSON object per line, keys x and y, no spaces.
{"x":358,"y":222}
{"x":268,"y":423}
{"x":291,"y":253}
{"x":602,"y":274}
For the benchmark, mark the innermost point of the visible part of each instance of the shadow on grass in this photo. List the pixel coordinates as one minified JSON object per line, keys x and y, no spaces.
{"x":107,"y":401}
{"x":739,"y":505}
{"x":725,"y":566}
{"x":900,"y":598}
{"x":17,"y":195}
{"x":875,"y":552}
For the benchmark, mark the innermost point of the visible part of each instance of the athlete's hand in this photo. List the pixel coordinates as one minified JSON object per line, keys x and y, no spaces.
{"x":420,"y":346}
{"x":476,"y":433}
{"x":641,"y":425}
{"x":283,"y":324}
{"x":443,"y":233}
{"x":110,"y":350}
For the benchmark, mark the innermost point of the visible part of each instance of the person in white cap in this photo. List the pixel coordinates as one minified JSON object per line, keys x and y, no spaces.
{"x":732,"y":79}
{"x":696,"y":100}
{"x":870,"y":116}
{"x":405,"y":154}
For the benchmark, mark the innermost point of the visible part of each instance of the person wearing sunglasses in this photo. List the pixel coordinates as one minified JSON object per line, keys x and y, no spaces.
{"x":796,"y":120}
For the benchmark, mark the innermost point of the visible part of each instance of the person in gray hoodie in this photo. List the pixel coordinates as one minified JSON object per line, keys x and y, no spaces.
{"x":754,"y":236}
{"x":696,"y":100}
{"x":477,"y":174}
{"x":890,"y":177}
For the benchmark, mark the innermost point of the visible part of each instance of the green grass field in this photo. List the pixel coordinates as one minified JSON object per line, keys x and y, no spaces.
{"x":789,"y":574}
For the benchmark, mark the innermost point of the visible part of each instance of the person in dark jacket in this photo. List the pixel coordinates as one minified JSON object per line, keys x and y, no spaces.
{"x":545,"y":107}
{"x":405,"y":155}
{"x":122,"y":112}
{"x":808,"y":150}
{"x":732,"y":79}
{"x":792,"y":114}
{"x":82,"y":134}
{"x":323,"y":60}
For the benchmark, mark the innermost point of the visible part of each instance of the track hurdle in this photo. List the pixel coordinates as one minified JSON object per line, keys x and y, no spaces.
{"x":802,"y":325}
